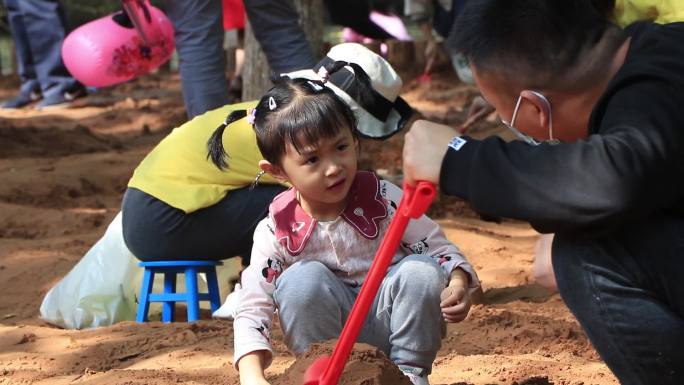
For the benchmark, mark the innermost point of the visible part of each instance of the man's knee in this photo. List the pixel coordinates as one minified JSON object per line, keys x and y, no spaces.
{"x":576,"y":262}
{"x":566,"y":261}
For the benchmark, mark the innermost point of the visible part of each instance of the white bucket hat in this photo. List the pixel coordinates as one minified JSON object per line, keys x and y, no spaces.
{"x":387,"y":112}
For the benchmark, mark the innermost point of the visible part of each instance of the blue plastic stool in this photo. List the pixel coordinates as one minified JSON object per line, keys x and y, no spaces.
{"x":169,"y":297}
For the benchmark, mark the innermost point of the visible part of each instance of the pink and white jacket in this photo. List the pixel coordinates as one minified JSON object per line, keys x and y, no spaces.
{"x":345,"y":245}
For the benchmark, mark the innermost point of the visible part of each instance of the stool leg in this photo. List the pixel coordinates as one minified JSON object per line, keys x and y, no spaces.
{"x":144,"y":300}
{"x":169,"y":307}
{"x":212,"y":285}
{"x":192,"y":298}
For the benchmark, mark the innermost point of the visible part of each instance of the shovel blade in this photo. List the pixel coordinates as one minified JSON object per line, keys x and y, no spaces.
{"x":314,"y":373}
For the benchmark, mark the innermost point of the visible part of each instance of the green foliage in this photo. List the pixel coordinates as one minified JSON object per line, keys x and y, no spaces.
{"x":78,"y":11}
{"x":4,"y":27}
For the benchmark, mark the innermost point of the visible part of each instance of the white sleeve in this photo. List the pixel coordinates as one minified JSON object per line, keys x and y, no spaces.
{"x":424,"y":236}
{"x":254,"y":316}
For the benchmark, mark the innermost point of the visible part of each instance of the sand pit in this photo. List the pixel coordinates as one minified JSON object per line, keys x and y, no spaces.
{"x":63,"y":174}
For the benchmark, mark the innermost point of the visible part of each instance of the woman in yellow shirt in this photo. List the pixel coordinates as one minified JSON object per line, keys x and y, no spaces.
{"x":179,"y":205}
{"x":626,"y":12}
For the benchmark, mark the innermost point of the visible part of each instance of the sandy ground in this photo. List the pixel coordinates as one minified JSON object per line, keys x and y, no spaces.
{"x":63,"y":174}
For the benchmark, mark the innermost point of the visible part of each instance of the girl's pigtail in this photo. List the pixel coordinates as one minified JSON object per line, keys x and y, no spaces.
{"x":215,"y":148}
{"x":364,"y":88}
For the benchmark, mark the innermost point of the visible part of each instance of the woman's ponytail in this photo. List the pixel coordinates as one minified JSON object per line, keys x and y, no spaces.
{"x":215,"y":149}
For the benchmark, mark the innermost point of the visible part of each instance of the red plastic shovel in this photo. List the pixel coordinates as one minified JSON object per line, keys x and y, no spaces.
{"x":327,"y":370}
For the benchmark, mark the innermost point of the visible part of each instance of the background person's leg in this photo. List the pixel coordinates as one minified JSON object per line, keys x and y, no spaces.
{"x":627,"y":295}
{"x":275,"y":24}
{"x":45,"y":25}
{"x":198,"y":27}
{"x":30,"y":88}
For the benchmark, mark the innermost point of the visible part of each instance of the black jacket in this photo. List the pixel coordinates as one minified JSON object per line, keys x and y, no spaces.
{"x":631,"y":165}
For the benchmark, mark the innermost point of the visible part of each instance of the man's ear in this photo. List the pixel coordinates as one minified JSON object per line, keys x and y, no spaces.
{"x":273,"y":170}
{"x":541,"y":105}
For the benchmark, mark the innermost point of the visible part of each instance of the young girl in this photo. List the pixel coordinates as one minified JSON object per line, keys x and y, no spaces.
{"x":312,"y":253}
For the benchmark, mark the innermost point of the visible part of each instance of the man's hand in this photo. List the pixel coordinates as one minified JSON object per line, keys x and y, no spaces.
{"x":456,"y":298}
{"x":424,"y":148}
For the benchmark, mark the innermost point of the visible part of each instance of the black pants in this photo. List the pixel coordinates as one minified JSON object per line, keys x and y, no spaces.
{"x":155,"y":231}
{"x":625,"y":292}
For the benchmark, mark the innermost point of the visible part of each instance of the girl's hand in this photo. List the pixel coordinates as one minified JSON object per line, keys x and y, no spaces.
{"x":252,"y":368}
{"x":455,"y":298}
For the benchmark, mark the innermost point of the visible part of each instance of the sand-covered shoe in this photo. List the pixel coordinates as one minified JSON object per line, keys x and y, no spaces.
{"x":418,"y":376}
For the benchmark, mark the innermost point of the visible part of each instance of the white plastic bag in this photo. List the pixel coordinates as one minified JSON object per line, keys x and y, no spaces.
{"x":103,"y":287}
{"x":99,"y":290}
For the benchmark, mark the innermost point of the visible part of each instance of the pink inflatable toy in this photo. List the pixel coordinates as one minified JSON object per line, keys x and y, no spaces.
{"x":392,"y":24}
{"x":119,"y":47}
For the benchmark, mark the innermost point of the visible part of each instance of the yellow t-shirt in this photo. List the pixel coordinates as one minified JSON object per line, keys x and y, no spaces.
{"x":178,"y":172}
{"x":659,"y":11}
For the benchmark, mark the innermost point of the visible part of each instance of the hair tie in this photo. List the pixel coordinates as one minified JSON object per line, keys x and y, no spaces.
{"x":272,"y":103}
{"x":323,"y":74}
{"x":317,"y":87}
{"x":251,"y":117}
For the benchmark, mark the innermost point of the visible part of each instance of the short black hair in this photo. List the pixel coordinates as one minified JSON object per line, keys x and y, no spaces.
{"x":299,"y":110}
{"x":605,"y":7}
{"x":562,"y":44}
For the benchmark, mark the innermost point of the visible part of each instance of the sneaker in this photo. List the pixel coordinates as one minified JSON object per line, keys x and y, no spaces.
{"x":418,"y":376}
{"x":22,"y":100}
{"x":229,"y":308}
{"x":61,"y":100}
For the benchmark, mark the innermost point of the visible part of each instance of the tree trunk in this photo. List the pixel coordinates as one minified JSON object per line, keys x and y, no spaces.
{"x":256,"y":74}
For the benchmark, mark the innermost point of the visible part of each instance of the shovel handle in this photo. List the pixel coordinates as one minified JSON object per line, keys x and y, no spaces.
{"x":418,"y":198}
{"x":414,"y":202}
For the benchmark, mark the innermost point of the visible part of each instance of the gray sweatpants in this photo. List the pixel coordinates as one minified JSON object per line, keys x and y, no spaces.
{"x":405,"y":320}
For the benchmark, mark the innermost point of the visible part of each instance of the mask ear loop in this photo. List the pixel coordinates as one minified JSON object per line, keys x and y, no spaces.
{"x":547,"y":104}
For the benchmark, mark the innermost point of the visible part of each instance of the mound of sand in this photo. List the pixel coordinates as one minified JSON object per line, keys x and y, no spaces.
{"x":366,"y":366}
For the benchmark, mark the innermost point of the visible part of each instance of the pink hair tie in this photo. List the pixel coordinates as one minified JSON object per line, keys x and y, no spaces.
{"x":323,"y":74}
{"x":251,"y":117}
